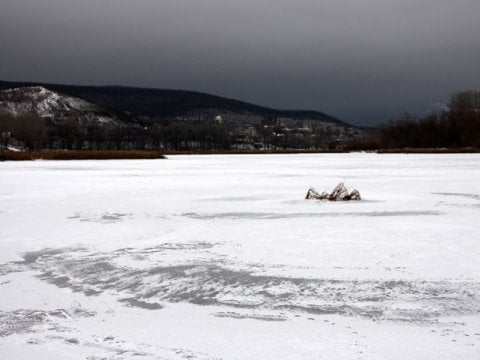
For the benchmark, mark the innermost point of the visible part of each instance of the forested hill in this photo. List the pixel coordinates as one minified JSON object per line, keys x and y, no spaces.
{"x":166,"y":103}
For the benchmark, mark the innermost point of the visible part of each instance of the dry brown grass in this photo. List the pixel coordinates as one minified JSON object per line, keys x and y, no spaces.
{"x":79,"y":155}
{"x":249,"y":152}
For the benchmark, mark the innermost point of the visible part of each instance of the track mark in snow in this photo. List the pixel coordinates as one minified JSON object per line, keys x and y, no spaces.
{"x":96,"y":347}
{"x":264,"y":317}
{"x":269,"y":216}
{"x":464,"y":195}
{"x":461,"y":204}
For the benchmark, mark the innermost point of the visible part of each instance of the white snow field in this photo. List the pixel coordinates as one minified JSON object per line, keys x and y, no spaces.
{"x":220,"y":257}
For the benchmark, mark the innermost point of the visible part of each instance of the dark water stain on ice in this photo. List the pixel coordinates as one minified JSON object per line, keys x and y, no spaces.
{"x":214,"y":284}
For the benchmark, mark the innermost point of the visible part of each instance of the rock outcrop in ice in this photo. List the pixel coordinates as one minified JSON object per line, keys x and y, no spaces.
{"x":340,"y":193}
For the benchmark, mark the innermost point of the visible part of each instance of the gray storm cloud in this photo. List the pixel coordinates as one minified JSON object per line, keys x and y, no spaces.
{"x":362,"y":61}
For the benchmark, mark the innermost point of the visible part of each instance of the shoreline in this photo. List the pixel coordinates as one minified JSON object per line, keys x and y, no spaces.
{"x":8,"y":155}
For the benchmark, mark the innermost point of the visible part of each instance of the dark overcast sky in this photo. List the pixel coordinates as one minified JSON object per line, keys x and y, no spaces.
{"x":363,"y":61}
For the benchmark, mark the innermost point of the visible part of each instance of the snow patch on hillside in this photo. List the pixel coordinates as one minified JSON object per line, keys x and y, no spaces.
{"x":51,"y":105}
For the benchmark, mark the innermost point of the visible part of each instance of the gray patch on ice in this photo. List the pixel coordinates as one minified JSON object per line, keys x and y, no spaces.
{"x":113,"y":217}
{"x":60,"y":281}
{"x":9,"y":268}
{"x":340,"y":309}
{"x":24,"y":320}
{"x":32,"y":256}
{"x":271,"y":216}
{"x":141,"y":304}
{"x":73,"y":341}
{"x":103,"y":218}
{"x":179,"y":246}
{"x":211,"y":283}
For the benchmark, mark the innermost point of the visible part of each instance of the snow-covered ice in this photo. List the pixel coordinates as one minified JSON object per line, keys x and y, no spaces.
{"x":220,"y":257}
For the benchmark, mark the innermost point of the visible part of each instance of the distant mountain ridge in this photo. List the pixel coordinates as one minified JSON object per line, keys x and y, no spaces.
{"x":51,"y":116}
{"x":163,"y":103}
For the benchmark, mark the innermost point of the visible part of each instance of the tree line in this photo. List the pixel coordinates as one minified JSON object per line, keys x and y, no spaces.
{"x":32,"y":132}
{"x":457,"y":126}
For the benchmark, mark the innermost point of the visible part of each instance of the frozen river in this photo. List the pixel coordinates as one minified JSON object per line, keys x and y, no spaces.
{"x":220,"y":257}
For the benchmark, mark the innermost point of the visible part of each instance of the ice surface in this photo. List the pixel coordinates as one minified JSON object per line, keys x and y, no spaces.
{"x":220,"y":257}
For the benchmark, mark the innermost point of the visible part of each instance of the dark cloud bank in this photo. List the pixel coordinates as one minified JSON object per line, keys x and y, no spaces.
{"x":362,"y":61}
